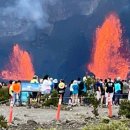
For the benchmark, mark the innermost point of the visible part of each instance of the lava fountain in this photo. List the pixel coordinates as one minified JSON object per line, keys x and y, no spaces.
{"x":107,"y":58}
{"x":20,"y":66}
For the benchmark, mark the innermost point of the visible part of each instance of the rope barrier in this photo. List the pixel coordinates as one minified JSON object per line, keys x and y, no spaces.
{"x":1,"y":102}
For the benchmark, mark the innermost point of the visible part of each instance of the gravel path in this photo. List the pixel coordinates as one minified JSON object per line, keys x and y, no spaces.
{"x":22,"y":114}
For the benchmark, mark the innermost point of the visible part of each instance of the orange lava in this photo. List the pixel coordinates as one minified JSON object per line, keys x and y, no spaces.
{"x":107,"y":59}
{"x":20,"y":66}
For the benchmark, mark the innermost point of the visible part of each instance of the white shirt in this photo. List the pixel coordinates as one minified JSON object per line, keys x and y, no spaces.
{"x":45,"y":86}
{"x":71,"y":87}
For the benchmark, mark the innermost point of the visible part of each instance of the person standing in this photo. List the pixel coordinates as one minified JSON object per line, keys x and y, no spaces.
{"x":129,"y":90}
{"x":46,"y":85}
{"x":61,"y":88}
{"x":71,"y":91}
{"x":51,"y":84}
{"x":17,"y":90}
{"x":34,"y":81}
{"x":98,"y":88}
{"x":11,"y":93}
{"x":121,"y":83}
{"x":75,"y":93}
{"x":9,"y":85}
{"x":109,"y":90}
{"x":56,"y":82}
{"x":102,"y":89}
{"x":81,"y":85}
{"x":117,"y":91}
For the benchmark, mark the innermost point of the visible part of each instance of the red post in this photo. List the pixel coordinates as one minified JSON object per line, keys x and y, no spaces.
{"x":58,"y":109}
{"x":11,"y":113}
{"x":109,"y":106}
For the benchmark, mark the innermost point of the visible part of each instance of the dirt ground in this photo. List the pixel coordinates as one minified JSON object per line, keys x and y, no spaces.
{"x":45,"y":115}
{"x":21,"y":115}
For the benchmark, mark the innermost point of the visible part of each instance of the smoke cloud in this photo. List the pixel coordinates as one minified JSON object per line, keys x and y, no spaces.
{"x":29,"y":10}
{"x":16,"y":18}
{"x":88,"y":7}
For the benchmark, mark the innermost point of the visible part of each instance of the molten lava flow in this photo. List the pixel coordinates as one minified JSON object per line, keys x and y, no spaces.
{"x":107,"y":58}
{"x":20,"y":66}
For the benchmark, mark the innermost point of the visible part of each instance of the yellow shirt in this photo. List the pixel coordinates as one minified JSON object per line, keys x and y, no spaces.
{"x":11,"y":90}
{"x":34,"y":81}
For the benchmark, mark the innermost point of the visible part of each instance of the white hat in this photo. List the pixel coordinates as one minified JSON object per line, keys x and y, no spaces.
{"x":55,"y":81}
{"x":84,"y":78}
{"x":51,"y":79}
{"x":75,"y":81}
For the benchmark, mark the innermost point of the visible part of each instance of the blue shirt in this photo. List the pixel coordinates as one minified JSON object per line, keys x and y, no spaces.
{"x":75,"y":88}
{"x":98,"y":84}
{"x":85,"y":88}
{"x":117,"y":87}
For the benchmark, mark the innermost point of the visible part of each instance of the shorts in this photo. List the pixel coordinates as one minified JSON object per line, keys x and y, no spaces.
{"x":98,"y":95}
{"x":102,"y":93}
{"x":33,"y":95}
{"x":74,"y":93}
{"x":81,"y":93}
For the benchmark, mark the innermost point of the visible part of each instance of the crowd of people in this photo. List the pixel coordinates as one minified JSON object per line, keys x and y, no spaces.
{"x":78,"y":88}
{"x":103,"y":89}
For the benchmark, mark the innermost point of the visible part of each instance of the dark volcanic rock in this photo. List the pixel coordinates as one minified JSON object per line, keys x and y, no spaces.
{"x":31,"y":122}
{"x":17,"y":119}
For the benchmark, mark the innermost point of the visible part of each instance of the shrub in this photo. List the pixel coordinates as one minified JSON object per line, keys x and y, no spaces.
{"x":124,"y":109}
{"x":105,"y":120}
{"x":51,"y":99}
{"x":91,"y":99}
{"x":115,"y":125}
{"x":4,"y":95}
{"x":89,"y":81}
{"x":3,"y":122}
